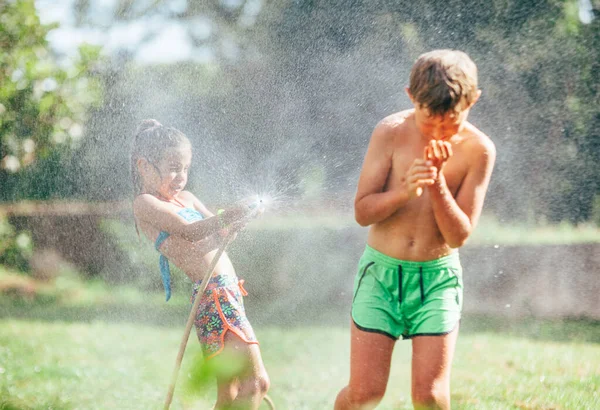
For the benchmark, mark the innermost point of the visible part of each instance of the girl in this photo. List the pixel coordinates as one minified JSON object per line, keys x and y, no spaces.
{"x":188,"y":234}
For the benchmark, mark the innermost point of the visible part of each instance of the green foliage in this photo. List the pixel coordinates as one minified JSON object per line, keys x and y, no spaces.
{"x":492,"y":231}
{"x":43,"y":100}
{"x":305,"y":86}
{"x":15,"y":247}
{"x":310,"y":78}
{"x":552,"y":121}
{"x":43,"y":106}
{"x":201,"y":372}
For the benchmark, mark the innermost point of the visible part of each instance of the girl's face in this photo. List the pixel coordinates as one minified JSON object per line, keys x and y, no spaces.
{"x":170,"y":174}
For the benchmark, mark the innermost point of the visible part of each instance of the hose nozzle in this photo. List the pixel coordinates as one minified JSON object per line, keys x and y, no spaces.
{"x":255,"y":204}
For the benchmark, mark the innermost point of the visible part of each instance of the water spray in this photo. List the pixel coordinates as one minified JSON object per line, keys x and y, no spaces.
{"x":257,"y":207}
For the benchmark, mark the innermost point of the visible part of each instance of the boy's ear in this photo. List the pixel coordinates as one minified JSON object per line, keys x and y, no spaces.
{"x":476,"y":97}
{"x":409,"y":94}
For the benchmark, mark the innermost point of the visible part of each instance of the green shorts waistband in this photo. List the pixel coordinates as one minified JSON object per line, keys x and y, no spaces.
{"x":449,"y":261}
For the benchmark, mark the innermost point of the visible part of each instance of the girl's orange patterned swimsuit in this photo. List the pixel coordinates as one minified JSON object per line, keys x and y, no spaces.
{"x":222,"y":306}
{"x":221,"y":309}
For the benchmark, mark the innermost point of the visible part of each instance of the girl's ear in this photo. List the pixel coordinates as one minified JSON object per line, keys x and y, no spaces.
{"x":142,"y":165}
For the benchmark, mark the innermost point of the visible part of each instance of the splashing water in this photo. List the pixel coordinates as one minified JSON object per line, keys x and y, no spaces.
{"x":269,"y":197}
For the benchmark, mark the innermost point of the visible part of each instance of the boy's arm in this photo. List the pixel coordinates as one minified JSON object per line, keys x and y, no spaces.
{"x":457,"y":218}
{"x":371,"y":205}
{"x":157,"y":213}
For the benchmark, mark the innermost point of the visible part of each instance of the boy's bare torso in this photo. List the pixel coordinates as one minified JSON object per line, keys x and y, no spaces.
{"x":411,"y":233}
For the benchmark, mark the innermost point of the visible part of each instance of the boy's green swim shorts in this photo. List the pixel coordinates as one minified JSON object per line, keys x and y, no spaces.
{"x":407,"y":298}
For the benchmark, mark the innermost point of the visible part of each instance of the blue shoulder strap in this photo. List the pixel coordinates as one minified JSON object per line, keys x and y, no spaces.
{"x":165,"y":270}
{"x":190,"y":215}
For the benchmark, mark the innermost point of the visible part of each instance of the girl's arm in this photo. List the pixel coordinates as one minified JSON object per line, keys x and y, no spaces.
{"x":157,"y":213}
{"x":199,"y":206}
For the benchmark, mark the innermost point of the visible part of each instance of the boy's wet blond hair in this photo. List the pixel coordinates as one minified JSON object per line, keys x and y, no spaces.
{"x":444,"y":81}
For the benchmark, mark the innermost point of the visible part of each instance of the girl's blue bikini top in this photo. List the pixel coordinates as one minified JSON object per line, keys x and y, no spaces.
{"x":190,"y":215}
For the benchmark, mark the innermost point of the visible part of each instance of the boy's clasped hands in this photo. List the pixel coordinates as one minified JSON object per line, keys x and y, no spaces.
{"x":424,"y":172}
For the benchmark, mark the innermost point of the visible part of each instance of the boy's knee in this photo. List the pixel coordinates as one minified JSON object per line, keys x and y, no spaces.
{"x":366,"y":398}
{"x":431,"y":397}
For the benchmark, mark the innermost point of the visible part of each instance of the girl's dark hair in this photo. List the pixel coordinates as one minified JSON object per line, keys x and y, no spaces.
{"x":150,"y":141}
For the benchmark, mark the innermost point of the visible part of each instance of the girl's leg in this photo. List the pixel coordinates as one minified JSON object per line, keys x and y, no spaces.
{"x":431,"y":362}
{"x":370,"y":360}
{"x":227,"y":391}
{"x":245,"y":389}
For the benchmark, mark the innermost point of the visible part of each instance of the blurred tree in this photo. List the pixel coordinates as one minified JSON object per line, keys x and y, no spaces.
{"x":218,"y":29}
{"x":544,"y":64}
{"x":43,"y":104}
{"x":294,"y":86}
{"x":539,"y":67}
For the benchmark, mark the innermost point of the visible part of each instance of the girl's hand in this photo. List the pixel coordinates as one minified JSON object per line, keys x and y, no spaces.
{"x":240,"y":213}
{"x":420,"y":174}
{"x":233,"y":214}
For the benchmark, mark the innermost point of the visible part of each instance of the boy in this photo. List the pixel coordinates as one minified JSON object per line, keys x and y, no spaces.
{"x":421,"y":190}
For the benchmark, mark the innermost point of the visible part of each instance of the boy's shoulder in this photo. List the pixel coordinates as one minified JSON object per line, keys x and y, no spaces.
{"x":392,"y":125}
{"x":478,"y":147}
{"x":396,"y":120}
{"x":475,"y":138}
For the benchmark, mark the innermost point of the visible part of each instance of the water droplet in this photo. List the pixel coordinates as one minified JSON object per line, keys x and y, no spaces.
{"x":496,"y":246}
{"x":507,"y":305}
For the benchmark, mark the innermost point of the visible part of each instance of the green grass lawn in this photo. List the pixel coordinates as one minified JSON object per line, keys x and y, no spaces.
{"x":83,"y":345}
{"x":490,"y":230}
{"x":99,"y":365}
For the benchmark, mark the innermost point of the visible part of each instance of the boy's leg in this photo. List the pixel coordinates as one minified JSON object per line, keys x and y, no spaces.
{"x":431,"y":362}
{"x":370,"y":359}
